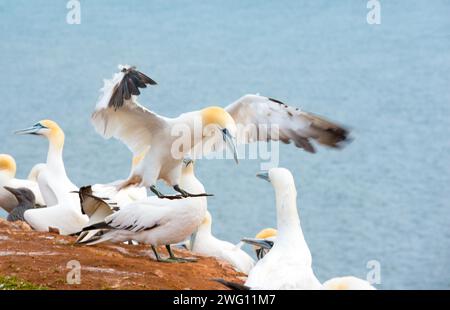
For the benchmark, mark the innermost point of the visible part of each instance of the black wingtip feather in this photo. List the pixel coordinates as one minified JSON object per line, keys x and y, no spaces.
{"x":278,"y":101}
{"x":128,"y":86}
{"x":327,"y":133}
{"x":101,"y":225}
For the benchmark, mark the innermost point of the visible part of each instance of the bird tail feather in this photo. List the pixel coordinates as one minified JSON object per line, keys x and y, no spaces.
{"x":232,"y":285}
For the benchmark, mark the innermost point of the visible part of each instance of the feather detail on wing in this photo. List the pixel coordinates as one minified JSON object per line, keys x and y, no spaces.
{"x":119,"y":115}
{"x":257,"y":116}
{"x":94,"y":207}
{"x":134,"y":218}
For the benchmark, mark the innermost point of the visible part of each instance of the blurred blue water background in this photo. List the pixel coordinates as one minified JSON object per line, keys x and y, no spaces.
{"x":385,"y":197}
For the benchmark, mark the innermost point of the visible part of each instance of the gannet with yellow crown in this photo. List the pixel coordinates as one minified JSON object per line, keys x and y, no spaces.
{"x":288,"y":264}
{"x":119,"y":115}
{"x":205,"y":243}
{"x":53,"y":181}
{"x":8,"y":169}
{"x":63,"y":211}
{"x":58,"y":190}
{"x":263,"y":241}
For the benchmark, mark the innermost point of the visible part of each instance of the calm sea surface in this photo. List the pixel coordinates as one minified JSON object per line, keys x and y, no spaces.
{"x":385,"y":197}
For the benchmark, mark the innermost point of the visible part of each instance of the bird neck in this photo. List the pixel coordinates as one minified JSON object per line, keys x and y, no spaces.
{"x":204,"y":230}
{"x":288,"y":221}
{"x":55,"y":152}
{"x":6,"y":176}
{"x":190,"y":127}
{"x":191,"y":184}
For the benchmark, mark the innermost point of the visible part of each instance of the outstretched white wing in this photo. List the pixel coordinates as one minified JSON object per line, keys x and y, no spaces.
{"x":119,"y":115}
{"x":258,"y":118}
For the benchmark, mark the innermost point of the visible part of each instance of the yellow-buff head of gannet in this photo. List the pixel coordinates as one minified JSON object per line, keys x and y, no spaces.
{"x":49,"y":129}
{"x":263,"y":241}
{"x":266,"y":233}
{"x":7,"y":167}
{"x":217,"y":118}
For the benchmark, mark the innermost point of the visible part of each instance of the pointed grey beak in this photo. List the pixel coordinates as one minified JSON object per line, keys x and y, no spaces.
{"x":31,"y":130}
{"x":261,"y":243}
{"x":230,"y":143}
{"x":264,"y":176}
{"x":11,"y":190}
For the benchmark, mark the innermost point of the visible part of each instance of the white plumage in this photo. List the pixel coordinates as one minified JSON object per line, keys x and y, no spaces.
{"x":347,"y":283}
{"x":156,"y":221}
{"x":287,"y":254}
{"x":205,"y":243}
{"x":288,"y":264}
{"x":260,"y":118}
{"x":59,"y":193}
{"x":7,"y":178}
{"x":119,"y":115}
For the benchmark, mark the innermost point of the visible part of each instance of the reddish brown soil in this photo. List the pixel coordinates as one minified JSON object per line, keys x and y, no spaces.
{"x":42,"y":258}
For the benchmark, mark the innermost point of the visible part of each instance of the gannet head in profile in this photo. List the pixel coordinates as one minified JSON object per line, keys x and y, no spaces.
{"x":7,"y":168}
{"x":216,"y":118}
{"x":23,"y":195}
{"x":281,"y":179}
{"x":48,"y":129}
{"x":263,"y":241}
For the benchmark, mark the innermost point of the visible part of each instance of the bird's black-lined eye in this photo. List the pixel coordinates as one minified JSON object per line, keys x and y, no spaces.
{"x":39,"y":125}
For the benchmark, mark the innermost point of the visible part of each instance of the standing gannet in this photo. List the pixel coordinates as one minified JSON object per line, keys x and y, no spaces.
{"x":165,"y":141}
{"x":7,"y":178}
{"x":26,"y":201}
{"x":156,"y":221}
{"x":59,"y":191}
{"x":206,"y":244}
{"x":263,"y":241}
{"x":53,"y":182}
{"x":288,"y":263}
{"x":64,"y":211}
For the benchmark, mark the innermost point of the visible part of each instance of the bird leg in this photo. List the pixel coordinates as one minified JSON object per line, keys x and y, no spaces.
{"x":172,"y":258}
{"x":187,"y":194}
{"x":161,"y":196}
{"x":179,"y":259}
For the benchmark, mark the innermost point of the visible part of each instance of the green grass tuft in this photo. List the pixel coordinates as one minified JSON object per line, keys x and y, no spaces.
{"x":13,"y":283}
